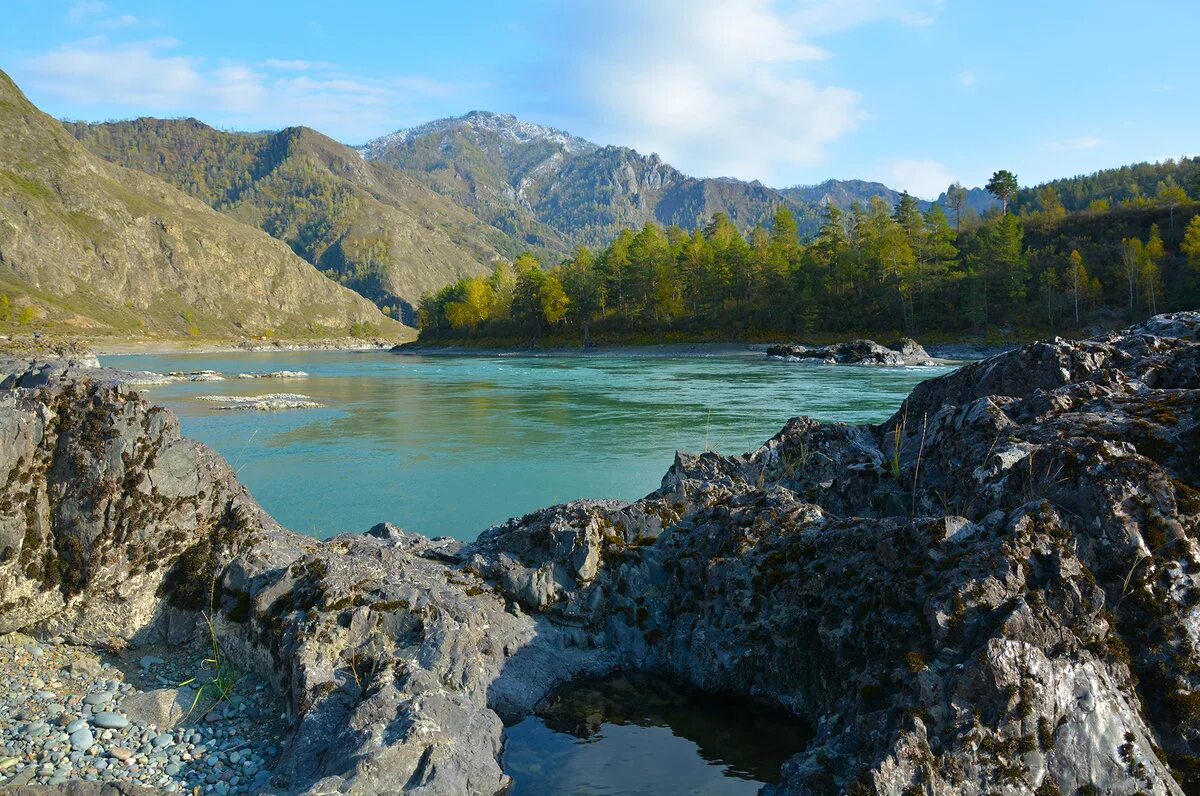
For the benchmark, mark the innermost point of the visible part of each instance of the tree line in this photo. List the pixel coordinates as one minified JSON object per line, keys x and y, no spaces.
{"x":872,"y":268}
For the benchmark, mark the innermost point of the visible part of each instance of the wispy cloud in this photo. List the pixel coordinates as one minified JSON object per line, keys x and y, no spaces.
{"x":1078,"y":144}
{"x":153,"y":77}
{"x":923,"y":178}
{"x":81,"y":11}
{"x":967,"y":78}
{"x":723,"y":87}
{"x":295,"y":65}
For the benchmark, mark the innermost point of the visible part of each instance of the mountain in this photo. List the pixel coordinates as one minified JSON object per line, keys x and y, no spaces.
{"x":90,"y":244}
{"x":377,"y":230}
{"x":844,"y":193}
{"x":554,"y":190}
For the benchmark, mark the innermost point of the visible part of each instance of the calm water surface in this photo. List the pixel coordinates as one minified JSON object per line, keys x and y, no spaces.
{"x":637,"y":735}
{"x":449,"y":445}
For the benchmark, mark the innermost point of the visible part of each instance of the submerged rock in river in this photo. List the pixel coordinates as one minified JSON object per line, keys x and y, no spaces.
{"x":262,"y":403}
{"x":996,"y":589}
{"x":904,"y":351}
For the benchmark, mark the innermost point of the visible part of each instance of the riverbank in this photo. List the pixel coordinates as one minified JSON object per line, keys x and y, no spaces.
{"x":52,"y":345}
{"x":945,"y":354}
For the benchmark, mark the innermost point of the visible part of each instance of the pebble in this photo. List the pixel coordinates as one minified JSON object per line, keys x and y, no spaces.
{"x":37,"y":729}
{"x":111,"y":721}
{"x":61,"y":721}
{"x":82,"y":739}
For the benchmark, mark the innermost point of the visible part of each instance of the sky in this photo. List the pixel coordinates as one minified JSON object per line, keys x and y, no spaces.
{"x":913,"y":93}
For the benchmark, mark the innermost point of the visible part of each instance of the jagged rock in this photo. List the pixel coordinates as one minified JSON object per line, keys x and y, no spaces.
{"x":905,"y":351}
{"x":995,"y":590}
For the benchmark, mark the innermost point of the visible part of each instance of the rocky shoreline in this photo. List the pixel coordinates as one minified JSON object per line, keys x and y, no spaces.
{"x":997,"y":590}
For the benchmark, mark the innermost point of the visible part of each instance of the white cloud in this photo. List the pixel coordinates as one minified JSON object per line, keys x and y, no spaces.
{"x":723,"y":87}
{"x":86,"y":9}
{"x":295,"y":65}
{"x":821,"y":17}
{"x":967,"y":78}
{"x":121,"y":21}
{"x":923,"y":178}
{"x":151,"y":77}
{"x":1078,"y":144}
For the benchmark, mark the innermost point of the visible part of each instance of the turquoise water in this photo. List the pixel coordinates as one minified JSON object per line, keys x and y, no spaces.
{"x":449,"y":445}
{"x":635,"y":734}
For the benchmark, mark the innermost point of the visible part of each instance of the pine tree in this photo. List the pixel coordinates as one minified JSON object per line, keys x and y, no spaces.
{"x":1003,"y":185}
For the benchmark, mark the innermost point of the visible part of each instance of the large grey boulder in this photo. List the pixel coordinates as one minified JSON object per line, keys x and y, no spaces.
{"x":904,"y":351}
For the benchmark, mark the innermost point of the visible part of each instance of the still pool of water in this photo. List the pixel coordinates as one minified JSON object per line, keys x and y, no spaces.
{"x":634,"y":734}
{"x":450,"y":445}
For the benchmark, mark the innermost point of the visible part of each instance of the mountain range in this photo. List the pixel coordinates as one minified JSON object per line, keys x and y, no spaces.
{"x":556,"y":191}
{"x":91,"y":245}
{"x":174,"y":226}
{"x":373,"y":228}
{"x":409,"y":212}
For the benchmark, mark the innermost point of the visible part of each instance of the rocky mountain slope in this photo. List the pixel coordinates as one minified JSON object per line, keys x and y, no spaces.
{"x":103,"y":248}
{"x":993,"y":591}
{"x":553,"y":189}
{"x":373,"y":228}
{"x":844,"y":193}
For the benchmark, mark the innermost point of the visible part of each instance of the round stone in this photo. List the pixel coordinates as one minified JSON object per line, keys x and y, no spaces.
{"x":36,"y":730}
{"x":102,"y":698}
{"x":82,"y":739}
{"x":110,"y":721}
{"x":76,"y":726}
{"x":120,"y":753}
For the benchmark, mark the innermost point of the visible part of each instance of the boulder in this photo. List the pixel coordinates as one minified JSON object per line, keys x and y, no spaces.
{"x":855,"y":352}
{"x":162,"y":707}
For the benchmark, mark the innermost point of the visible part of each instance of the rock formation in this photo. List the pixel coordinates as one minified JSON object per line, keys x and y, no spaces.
{"x":994,"y":591}
{"x":904,"y":351}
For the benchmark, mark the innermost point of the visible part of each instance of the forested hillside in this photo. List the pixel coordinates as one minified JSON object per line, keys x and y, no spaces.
{"x":874,"y":269}
{"x":372,"y":228}
{"x":1139,"y":184}
{"x":94,"y":246}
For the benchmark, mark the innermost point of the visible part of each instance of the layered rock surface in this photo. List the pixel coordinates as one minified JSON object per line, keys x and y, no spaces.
{"x":994,"y":591}
{"x":904,"y":351}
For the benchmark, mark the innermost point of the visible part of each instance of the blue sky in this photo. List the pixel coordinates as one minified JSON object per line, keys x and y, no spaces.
{"x":915,"y":93}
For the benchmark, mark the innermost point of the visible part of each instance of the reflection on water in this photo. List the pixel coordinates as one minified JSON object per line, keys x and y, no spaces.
{"x":634,"y":733}
{"x":451,"y":445}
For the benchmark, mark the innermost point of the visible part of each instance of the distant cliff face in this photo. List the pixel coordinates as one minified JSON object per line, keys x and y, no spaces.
{"x":373,"y":228}
{"x":91,"y":244}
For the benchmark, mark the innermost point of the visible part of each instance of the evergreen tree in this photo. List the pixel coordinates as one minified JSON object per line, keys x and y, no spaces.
{"x":1003,"y":185}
